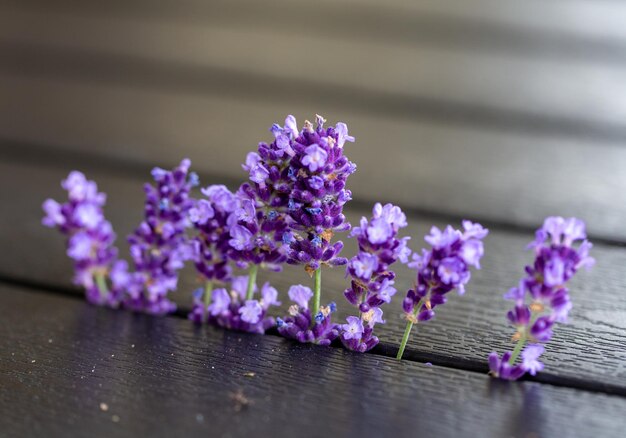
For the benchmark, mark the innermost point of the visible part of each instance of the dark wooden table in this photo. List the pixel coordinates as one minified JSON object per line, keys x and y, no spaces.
{"x":498,"y":113}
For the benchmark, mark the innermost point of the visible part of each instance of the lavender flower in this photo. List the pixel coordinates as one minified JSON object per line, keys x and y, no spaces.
{"x":317,"y":171}
{"x":256,"y":232}
{"x":234,"y":311}
{"x":158,"y":246}
{"x":212,"y":218}
{"x":372,"y":280}
{"x":541,"y":299}
{"x":304,"y":326}
{"x":90,"y":239}
{"x":442,"y":269}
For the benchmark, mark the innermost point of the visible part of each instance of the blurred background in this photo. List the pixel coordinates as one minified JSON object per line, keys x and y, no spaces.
{"x":484,"y":108}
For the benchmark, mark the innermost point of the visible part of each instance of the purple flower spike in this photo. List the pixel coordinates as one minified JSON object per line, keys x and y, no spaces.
{"x":318,"y":172}
{"x":212,"y":219}
{"x":90,"y":239}
{"x":301,"y":325}
{"x":372,"y":280}
{"x":446,"y":267}
{"x":261,"y":219}
{"x":159,"y":246}
{"x":541,"y":298}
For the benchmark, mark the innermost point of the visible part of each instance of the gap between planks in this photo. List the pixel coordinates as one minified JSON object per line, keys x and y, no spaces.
{"x":382,"y":349}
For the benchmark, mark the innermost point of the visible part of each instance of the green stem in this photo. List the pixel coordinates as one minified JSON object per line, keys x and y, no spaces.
{"x":405,"y":339}
{"x":407,"y":330}
{"x":518,"y":349}
{"x":317,"y":292}
{"x":208,"y":292}
{"x":251,"y":281}
{"x":102,"y":284}
{"x":523,"y":338}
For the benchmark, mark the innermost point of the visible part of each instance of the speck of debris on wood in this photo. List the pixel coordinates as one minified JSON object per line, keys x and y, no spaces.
{"x":104,"y":407}
{"x":132,"y":346}
{"x":49,"y":341}
{"x":240,"y":400}
{"x":428,"y":364}
{"x":249,"y":374}
{"x":33,"y":361}
{"x":112,"y":355}
{"x":115,"y":418}
{"x":200,"y":418}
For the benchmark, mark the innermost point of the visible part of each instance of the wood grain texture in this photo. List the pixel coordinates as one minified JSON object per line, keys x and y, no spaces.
{"x":482,"y":82}
{"x":509,"y":177}
{"x":588,"y":352}
{"x":71,"y":368}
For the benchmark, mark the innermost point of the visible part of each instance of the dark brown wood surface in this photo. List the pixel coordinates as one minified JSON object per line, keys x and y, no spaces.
{"x":82,"y":370}
{"x":465,"y":331}
{"x":501,"y":112}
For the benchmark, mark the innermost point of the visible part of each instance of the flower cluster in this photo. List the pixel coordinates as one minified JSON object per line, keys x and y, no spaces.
{"x":541,"y":298}
{"x":440,"y":270}
{"x":372,"y":281}
{"x":256,"y":233}
{"x":318,"y":171}
{"x":289,"y":211}
{"x":159,"y":247}
{"x":301,"y":325}
{"x":90,"y":238}
{"x":211,"y":218}
{"x":234,"y":310}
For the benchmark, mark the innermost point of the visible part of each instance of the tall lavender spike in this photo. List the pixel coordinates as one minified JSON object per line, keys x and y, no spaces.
{"x":90,"y":239}
{"x":159,"y":246}
{"x":556,"y":262}
{"x":372,"y":280}
{"x":260,"y":218}
{"x":442,"y":269}
{"x":212,"y":219}
{"x":318,"y":170}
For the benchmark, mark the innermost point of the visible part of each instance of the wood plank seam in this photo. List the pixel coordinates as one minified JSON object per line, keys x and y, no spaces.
{"x":383,"y":349}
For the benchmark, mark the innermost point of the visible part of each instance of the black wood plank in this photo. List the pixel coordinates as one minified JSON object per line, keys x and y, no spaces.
{"x":589,"y":352}
{"x":68,"y":368}
{"x":503,"y":177}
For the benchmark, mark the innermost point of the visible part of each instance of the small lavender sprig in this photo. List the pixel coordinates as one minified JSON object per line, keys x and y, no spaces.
{"x":442,"y":269}
{"x":235,"y":311}
{"x":556,"y":262}
{"x":212,"y":219}
{"x":90,"y":239}
{"x":372,"y":280}
{"x":301,"y":326}
{"x":159,"y":246}
{"x":319,"y":171}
